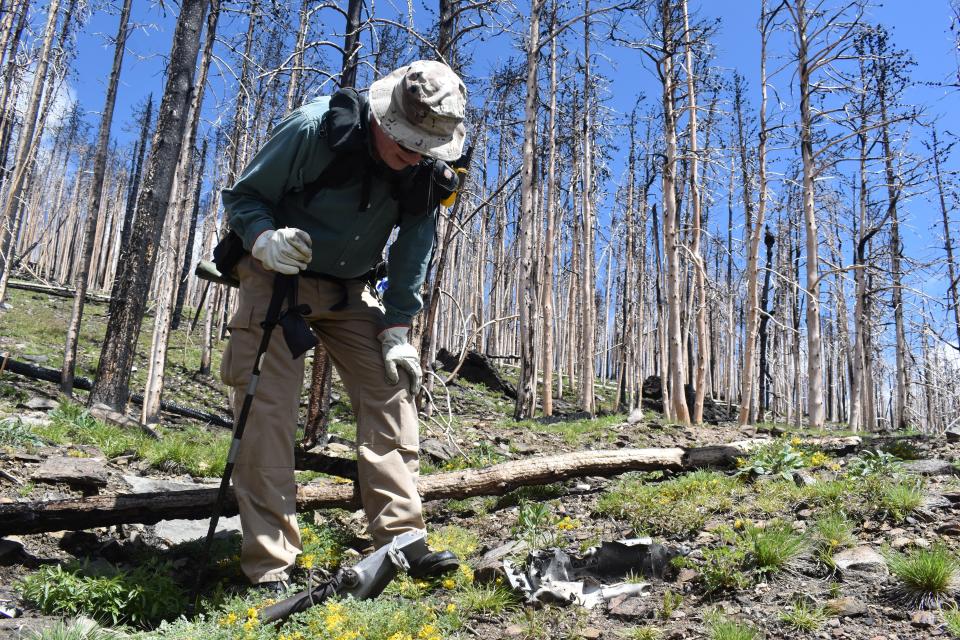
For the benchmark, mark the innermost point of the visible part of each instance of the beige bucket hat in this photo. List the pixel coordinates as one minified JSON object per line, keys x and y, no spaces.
{"x":422,"y":107}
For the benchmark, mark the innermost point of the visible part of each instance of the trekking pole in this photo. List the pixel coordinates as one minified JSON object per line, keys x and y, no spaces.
{"x":282,"y":286}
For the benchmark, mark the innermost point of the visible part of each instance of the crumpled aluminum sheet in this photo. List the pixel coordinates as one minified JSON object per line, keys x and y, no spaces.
{"x":552,"y":575}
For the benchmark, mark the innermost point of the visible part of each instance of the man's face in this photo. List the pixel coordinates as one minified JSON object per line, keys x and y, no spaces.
{"x":391,"y":153}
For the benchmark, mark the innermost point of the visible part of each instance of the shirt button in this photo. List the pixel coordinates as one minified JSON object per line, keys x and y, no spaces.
{"x":356,"y":237}
{"x":342,"y":263}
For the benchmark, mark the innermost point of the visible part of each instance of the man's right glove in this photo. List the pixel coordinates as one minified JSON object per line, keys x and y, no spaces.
{"x":283,"y":250}
{"x":398,"y":352}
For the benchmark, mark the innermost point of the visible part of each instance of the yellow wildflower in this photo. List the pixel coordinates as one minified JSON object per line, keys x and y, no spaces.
{"x":448,"y":583}
{"x":306,"y":560}
{"x":426,"y":631}
{"x":795,"y":441}
{"x":451,"y":607}
{"x":251,"y":613}
{"x":229,"y":621}
{"x":567,"y":523}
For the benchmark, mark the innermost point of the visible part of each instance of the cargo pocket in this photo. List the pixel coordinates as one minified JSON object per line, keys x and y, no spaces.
{"x":236,"y":364}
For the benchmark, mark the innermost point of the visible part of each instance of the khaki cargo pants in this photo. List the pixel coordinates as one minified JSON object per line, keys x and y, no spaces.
{"x":387,"y":429}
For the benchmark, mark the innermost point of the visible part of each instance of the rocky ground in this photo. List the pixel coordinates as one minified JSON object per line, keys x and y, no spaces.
{"x":859,"y":597}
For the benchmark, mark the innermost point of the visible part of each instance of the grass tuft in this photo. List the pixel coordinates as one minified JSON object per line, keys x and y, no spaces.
{"x":927,"y":577}
{"x":77,"y":629}
{"x":902,"y":498}
{"x":720,"y":627}
{"x":803,"y":617}
{"x":772,"y":548}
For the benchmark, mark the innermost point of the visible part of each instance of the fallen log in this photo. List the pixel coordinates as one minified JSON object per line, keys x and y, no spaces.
{"x":149,"y":508}
{"x":61,"y":292}
{"x":84,"y":384}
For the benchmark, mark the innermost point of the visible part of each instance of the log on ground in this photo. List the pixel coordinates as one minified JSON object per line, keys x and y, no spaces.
{"x":149,"y":508}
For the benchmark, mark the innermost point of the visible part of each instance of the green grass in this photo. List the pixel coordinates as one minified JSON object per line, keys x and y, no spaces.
{"x":574,"y":432}
{"x":193,"y":450}
{"x":832,"y":531}
{"x":490,"y":599}
{"x":142,"y":596}
{"x":679,"y":506}
{"x":720,"y":627}
{"x":13,"y":433}
{"x":926,"y":577}
{"x":803,"y":617}
{"x":902,"y":498}
{"x":642,"y":633}
{"x":951,"y":618}
{"x":772,"y":548}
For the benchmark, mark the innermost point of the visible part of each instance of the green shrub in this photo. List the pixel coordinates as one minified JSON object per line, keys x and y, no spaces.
{"x":927,"y":577}
{"x":141,"y":597}
{"x":535,"y":525}
{"x":378,"y":619}
{"x":771,"y":548}
{"x":323,"y":546}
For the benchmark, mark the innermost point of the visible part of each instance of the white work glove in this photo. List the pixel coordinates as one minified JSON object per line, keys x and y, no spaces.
{"x":398,"y":352}
{"x":283,"y":250}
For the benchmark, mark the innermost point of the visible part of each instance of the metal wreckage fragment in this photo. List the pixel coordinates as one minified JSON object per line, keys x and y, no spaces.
{"x":552,"y":575}
{"x":366,"y":579}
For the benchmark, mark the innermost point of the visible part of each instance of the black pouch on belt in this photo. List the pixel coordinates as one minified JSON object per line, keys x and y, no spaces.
{"x":228,"y":253}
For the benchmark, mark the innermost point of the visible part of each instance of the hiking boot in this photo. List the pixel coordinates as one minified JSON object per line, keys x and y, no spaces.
{"x":425,"y":563}
{"x":273,"y":588}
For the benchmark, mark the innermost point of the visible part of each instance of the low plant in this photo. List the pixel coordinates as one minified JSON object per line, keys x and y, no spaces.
{"x":535,"y":525}
{"x":642,"y":633}
{"x":671,"y":602}
{"x":76,"y":629}
{"x":803,"y":616}
{"x":951,"y":618}
{"x":720,"y":627}
{"x":142,"y":597}
{"x":13,"y":433}
{"x":679,"y":506}
{"x":877,"y":462}
{"x":777,"y":458}
{"x":902,"y":498}
{"x":927,"y":577}
{"x":324,"y":547}
{"x":722,"y":569}
{"x":834,"y":531}
{"x":773,"y":547}
{"x":485,"y":598}
{"x":377,"y":619}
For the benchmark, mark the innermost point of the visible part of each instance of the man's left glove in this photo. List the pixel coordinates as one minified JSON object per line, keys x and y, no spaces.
{"x":398,"y":352}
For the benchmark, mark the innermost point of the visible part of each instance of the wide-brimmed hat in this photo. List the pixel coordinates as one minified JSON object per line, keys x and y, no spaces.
{"x":422,"y":106}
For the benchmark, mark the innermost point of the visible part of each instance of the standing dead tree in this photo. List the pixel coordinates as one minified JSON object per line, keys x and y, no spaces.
{"x":128,"y":297}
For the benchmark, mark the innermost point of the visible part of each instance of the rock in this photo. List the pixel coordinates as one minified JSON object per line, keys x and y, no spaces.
{"x":923,"y":619}
{"x":84,"y":472}
{"x":953,"y":434}
{"x":936,"y":501}
{"x":139,"y":484}
{"x":514,"y":630}
{"x":636,"y":416}
{"x":590,"y":633}
{"x":922,"y":543}
{"x":901,"y":542}
{"x":687,"y":575}
{"x":862,"y":560}
{"x":490,"y":566}
{"x":39,"y":403}
{"x":803,"y":479}
{"x":439,"y":451}
{"x":35,"y":359}
{"x":631,"y":608}
{"x":174,"y":532}
{"x":9,"y":545}
{"x":846,"y":606}
{"x":929,"y":467}
{"x":949,"y":529}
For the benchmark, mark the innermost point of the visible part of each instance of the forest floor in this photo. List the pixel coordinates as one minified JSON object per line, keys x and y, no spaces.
{"x":796,"y":542}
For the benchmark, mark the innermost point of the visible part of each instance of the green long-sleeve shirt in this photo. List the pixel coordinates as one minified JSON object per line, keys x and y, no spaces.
{"x":347,"y":243}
